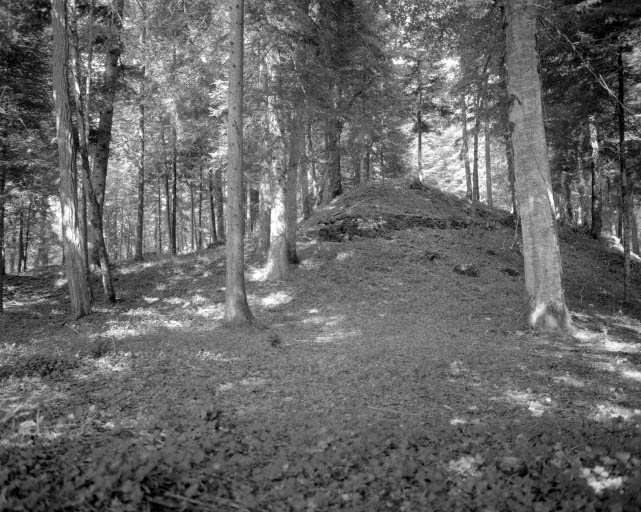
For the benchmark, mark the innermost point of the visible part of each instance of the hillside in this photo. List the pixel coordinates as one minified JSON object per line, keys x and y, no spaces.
{"x":384,"y":379}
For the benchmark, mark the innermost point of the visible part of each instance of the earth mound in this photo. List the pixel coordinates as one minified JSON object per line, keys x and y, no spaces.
{"x":375,"y":209}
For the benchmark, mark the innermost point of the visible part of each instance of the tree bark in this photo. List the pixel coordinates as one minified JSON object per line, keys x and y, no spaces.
{"x":626,"y":195}
{"x":488,"y":162}
{"x":174,"y":188}
{"x":213,"y":236}
{"x":294,"y":163}
{"x":476,"y":195}
{"x":75,"y":269}
{"x":546,"y":308}
{"x":103,"y":137}
{"x":465,"y":154}
{"x":237,"y":311}
{"x":140,"y":217}
{"x":597,"y":215}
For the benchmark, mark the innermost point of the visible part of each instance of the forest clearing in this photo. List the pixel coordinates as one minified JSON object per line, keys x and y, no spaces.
{"x":385,"y":380}
{"x":317,"y":255}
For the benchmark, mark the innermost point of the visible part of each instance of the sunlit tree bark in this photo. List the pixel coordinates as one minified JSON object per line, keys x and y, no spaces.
{"x":237,"y":311}
{"x":546,"y":307}
{"x":74,"y":265}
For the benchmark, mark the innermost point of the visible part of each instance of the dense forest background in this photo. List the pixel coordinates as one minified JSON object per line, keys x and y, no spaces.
{"x":336,"y":94}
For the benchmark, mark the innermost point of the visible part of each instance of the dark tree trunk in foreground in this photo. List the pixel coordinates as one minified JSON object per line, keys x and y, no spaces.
{"x":72,"y":244}
{"x":237,"y":311}
{"x":91,"y":204}
{"x":103,"y":136}
{"x":546,"y":307}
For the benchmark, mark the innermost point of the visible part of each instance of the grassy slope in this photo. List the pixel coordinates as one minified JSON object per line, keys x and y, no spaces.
{"x":385,"y":381}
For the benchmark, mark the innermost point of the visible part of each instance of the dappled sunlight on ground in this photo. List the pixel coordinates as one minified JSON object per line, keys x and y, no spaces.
{"x":606,"y":412}
{"x":537,"y":405}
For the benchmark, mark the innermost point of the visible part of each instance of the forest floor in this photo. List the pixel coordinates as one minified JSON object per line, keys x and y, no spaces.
{"x":383,"y":380}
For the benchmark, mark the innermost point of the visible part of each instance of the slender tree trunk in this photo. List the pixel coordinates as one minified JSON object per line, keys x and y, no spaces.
{"x":294,"y":162}
{"x":263,"y":233}
{"x":168,"y":206}
{"x":20,"y":246}
{"x":75,"y":269}
{"x":27,"y":233}
{"x":625,"y":179}
{"x":476,"y":195}
{"x":212,"y":211}
{"x":199,"y":241}
{"x":465,"y":156}
{"x":237,"y":311}
{"x":192,"y":216}
{"x":158,"y":213}
{"x":419,"y":131}
{"x":219,"y":198}
{"x":2,"y":215}
{"x":174,"y":189}
{"x":488,"y":162}
{"x":545,"y":297}
{"x":597,"y":215}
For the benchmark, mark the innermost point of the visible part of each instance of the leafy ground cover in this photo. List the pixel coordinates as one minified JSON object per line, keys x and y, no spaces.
{"x":384,"y":380}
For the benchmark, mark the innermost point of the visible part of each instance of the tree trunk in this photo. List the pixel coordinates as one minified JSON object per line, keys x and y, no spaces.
{"x":277,"y":264}
{"x":465,"y":154}
{"x":75,"y":269}
{"x":199,"y":239}
{"x":332,"y":183}
{"x":419,"y":132}
{"x":140,"y":218}
{"x":158,"y":213}
{"x":174,"y":188}
{"x":476,"y":195}
{"x":488,"y":162}
{"x":546,"y":307}
{"x":103,"y":136}
{"x":237,"y":311}
{"x":2,"y":214}
{"x":168,"y":206}
{"x":597,"y":215}
{"x":218,"y":195}
{"x":263,"y":231}
{"x":294,"y":162}
{"x":626,"y":195}
{"x":213,"y":236}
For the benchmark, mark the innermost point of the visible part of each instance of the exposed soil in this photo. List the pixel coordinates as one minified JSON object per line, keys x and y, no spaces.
{"x":385,"y":380}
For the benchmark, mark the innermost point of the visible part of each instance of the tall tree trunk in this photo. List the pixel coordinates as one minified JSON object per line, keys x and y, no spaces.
{"x":277,"y":264}
{"x":263,"y":231}
{"x":597,"y":215}
{"x":626,"y":195}
{"x":75,"y":269}
{"x":174,"y":188}
{"x":488,"y":162}
{"x":192,"y":216}
{"x":476,"y":195}
{"x":140,"y":217}
{"x":212,"y":211}
{"x":27,"y":232}
{"x":465,"y":154}
{"x":332,"y":181}
{"x":2,"y":215}
{"x":542,"y":260}
{"x":168,"y":205}
{"x":237,"y":311}
{"x":20,"y":246}
{"x":103,"y":136}
{"x":219,"y":198}
{"x":294,"y":162}
{"x":158,"y":213}
{"x":199,"y":241}
{"x":419,"y":132}
{"x":93,"y":207}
